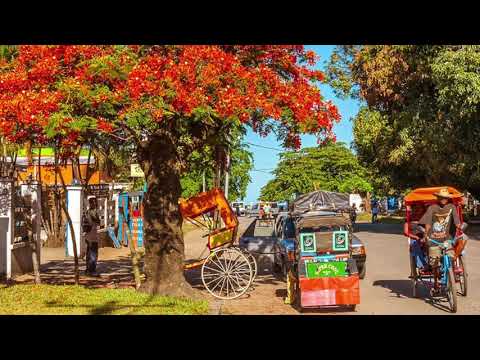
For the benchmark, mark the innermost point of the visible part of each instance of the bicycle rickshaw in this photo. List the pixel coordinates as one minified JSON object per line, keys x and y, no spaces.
{"x":228,"y":271}
{"x":452,"y":266}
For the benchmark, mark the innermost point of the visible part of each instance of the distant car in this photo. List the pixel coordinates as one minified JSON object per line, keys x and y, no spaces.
{"x":285,"y":252}
{"x":274,"y":208}
{"x":253,"y":212}
{"x":241,"y":207}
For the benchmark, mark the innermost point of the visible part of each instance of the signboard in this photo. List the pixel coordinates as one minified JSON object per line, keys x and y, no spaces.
{"x":98,"y":190}
{"x":136,"y":171}
{"x":308,"y":242}
{"x":5,"y":197}
{"x":340,"y":240}
{"x":392,"y":203}
{"x":326,"y":269}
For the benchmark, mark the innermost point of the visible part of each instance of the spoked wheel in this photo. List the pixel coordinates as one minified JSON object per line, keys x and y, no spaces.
{"x":452,"y":291}
{"x":253,"y":263}
{"x":227,"y":273}
{"x":413,"y":276}
{"x":251,"y":260}
{"x":463,"y":276}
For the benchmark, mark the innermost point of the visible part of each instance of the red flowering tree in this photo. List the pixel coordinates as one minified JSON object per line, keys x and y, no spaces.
{"x":166,"y":101}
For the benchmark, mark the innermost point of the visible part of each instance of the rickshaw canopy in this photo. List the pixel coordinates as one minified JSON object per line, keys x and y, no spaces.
{"x":427,"y":194}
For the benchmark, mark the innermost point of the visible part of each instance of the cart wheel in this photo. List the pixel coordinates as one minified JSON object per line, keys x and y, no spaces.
{"x":253,"y":263}
{"x":452,"y":291}
{"x":227,"y":273}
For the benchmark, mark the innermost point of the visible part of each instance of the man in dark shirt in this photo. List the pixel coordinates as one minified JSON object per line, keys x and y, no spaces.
{"x":93,"y":220}
{"x":437,"y":220}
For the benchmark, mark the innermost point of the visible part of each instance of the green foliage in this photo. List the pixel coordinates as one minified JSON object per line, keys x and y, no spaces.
{"x":419,"y":124}
{"x":203,"y":162}
{"x":78,"y":300}
{"x":332,"y":167}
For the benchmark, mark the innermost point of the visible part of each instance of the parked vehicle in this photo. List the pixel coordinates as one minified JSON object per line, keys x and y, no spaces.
{"x":241,"y":208}
{"x":254,"y":211}
{"x":259,"y":239}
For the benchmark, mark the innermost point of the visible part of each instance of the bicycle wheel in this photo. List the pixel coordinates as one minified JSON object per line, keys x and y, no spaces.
{"x":413,"y":276}
{"x":451,"y":290}
{"x":463,"y":276}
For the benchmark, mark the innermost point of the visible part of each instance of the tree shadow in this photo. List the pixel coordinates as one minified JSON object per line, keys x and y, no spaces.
{"x":113,"y":273}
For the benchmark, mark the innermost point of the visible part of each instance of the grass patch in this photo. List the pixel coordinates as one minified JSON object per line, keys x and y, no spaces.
{"x":367,"y":217}
{"x":364,"y":217}
{"x":78,"y":300}
{"x":391,"y":219}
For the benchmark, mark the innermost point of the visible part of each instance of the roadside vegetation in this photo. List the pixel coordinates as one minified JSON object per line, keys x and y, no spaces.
{"x":367,"y":217}
{"x":78,"y":300}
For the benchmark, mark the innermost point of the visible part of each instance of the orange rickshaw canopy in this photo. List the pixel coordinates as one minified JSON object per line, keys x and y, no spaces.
{"x":427,"y":194}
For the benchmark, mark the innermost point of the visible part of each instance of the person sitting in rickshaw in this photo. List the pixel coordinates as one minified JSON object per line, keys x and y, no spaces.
{"x":267,"y":209}
{"x":418,"y":247}
{"x":437,"y":220}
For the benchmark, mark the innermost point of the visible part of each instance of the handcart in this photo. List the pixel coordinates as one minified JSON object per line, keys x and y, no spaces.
{"x":228,"y":271}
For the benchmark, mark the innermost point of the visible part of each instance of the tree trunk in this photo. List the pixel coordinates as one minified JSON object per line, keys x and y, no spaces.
{"x":36,"y":265}
{"x":368,"y":207}
{"x":164,"y":245}
{"x":135,"y":256}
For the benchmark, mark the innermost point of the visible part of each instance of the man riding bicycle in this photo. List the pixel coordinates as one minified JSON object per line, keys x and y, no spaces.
{"x":437,"y":220}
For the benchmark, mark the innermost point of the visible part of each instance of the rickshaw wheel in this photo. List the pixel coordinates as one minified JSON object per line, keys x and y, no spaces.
{"x":253,"y":263}
{"x":251,"y":260}
{"x":227,"y":273}
{"x":463,"y":277}
{"x":452,"y":291}
{"x":413,"y":270}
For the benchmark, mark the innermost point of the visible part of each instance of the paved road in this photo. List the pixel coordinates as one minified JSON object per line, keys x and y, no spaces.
{"x":385,"y":290}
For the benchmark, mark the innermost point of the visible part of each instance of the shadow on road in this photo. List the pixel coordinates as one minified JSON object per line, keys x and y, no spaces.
{"x":400,"y":288}
{"x":114,"y":273}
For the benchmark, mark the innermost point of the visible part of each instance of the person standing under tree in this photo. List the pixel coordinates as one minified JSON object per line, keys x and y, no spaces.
{"x":353,"y":214}
{"x":375,"y":211}
{"x":93,"y":220}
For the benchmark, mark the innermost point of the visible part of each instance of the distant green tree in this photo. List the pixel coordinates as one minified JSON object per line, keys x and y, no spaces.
{"x":203,"y":163}
{"x":332,"y":167}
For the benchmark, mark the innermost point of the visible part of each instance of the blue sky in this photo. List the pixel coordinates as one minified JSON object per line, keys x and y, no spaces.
{"x":266,"y":159}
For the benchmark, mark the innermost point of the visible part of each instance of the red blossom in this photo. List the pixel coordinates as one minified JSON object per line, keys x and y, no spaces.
{"x":234,"y":81}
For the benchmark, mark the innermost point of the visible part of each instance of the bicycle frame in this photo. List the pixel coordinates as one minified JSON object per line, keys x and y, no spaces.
{"x":446,"y":263}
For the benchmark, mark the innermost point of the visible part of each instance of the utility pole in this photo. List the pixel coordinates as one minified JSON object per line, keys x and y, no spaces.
{"x":204,"y":185}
